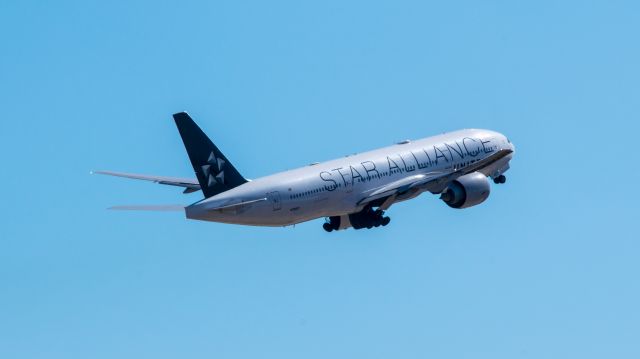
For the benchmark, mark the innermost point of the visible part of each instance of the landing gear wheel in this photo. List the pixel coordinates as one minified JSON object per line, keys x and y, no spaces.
{"x":385,"y":221}
{"x":327,"y":227}
{"x":500,"y":179}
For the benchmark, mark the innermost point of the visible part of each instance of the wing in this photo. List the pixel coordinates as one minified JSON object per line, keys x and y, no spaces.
{"x":398,"y":187}
{"x":433,"y":181}
{"x":190,"y":185}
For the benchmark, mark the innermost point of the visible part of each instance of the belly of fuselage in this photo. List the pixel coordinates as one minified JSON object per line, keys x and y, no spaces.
{"x":254,"y":216}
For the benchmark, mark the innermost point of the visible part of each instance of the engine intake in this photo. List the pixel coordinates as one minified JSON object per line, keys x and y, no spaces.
{"x":467,"y":191}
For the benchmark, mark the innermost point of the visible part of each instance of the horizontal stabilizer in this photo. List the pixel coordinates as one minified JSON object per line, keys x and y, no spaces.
{"x":157,"y":208}
{"x":190,"y":184}
{"x":236,"y":205}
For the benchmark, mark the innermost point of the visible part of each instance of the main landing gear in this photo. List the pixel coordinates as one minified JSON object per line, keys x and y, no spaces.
{"x":500,"y":179}
{"x":367,"y":218}
{"x":374,"y":219}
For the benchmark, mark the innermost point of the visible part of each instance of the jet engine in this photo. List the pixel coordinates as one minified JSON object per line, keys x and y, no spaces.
{"x":467,"y":191}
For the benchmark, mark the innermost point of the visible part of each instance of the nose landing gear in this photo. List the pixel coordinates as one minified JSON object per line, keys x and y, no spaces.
{"x":500,"y":179}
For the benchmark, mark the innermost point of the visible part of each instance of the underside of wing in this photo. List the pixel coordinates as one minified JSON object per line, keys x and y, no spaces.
{"x":434,"y":182}
{"x":398,"y":187}
{"x":190,"y":185}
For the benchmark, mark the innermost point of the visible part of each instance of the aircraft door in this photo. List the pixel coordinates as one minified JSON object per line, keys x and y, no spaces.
{"x":274,"y":198}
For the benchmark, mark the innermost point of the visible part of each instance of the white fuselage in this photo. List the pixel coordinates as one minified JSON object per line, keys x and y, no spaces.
{"x":335,"y":187}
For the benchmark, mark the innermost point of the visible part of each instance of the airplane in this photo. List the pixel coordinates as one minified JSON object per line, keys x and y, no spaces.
{"x":355,"y":191}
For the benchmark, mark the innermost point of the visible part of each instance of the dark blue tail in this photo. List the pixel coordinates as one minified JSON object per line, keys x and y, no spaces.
{"x":214,"y":171}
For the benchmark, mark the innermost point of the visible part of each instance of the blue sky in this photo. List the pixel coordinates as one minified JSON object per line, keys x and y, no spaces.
{"x":546,"y":268}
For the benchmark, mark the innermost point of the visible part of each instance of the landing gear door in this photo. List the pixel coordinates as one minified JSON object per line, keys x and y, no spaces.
{"x":274,"y":198}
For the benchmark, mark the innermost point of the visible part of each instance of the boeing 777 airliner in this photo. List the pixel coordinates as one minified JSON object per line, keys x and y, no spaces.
{"x":354,"y":191}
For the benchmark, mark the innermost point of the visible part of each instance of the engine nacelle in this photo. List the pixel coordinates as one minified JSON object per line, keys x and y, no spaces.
{"x":467,"y":191}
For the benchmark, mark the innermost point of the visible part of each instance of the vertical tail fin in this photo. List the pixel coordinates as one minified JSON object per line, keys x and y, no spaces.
{"x":214,"y":171}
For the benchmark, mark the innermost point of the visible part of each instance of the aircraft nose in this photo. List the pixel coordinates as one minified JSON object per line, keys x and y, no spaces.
{"x":511,"y":145}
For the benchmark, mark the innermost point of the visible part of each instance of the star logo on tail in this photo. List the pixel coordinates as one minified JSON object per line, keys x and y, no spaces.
{"x":213,"y":171}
